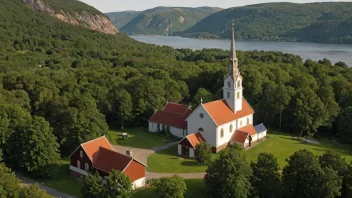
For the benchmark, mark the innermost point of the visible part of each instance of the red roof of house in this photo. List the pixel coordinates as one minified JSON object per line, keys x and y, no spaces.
{"x":172,"y":115}
{"x":93,"y":146}
{"x":239,"y":136}
{"x":195,"y":139}
{"x":108,"y":160}
{"x":249,"y":129}
{"x":176,"y":108}
{"x":222,"y":113}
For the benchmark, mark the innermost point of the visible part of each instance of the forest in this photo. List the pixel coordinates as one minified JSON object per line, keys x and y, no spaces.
{"x":61,"y":85}
{"x":328,"y":22}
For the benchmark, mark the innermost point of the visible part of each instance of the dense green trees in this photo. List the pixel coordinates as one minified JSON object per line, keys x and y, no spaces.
{"x":117,"y":184}
{"x":9,"y":183}
{"x":314,"y":22}
{"x":266,"y":176}
{"x":229,"y":175}
{"x":92,"y":186}
{"x":33,"y":148}
{"x":304,"y":177}
{"x":202,"y":153}
{"x":170,"y":187}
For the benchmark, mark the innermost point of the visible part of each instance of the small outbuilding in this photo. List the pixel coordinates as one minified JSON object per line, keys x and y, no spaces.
{"x":188,"y":144}
{"x":172,"y":119}
{"x":261,"y":131}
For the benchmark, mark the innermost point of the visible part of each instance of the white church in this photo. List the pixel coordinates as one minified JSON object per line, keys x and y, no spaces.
{"x":219,"y":123}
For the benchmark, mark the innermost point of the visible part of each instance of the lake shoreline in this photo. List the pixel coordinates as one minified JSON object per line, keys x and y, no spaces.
{"x":313,"y":51}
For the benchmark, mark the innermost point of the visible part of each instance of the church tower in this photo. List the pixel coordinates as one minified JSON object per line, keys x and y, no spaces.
{"x":233,"y":90}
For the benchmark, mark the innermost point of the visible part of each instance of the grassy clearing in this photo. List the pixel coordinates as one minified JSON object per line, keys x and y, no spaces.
{"x":63,"y":182}
{"x":280,"y":144}
{"x":195,"y":190}
{"x":139,"y":138}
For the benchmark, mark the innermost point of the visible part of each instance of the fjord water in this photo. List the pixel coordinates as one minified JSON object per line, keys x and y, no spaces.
{"x":314,"y":51}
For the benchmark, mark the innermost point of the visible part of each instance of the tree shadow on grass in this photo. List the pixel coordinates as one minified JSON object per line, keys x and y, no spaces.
{"x":190,"y":163}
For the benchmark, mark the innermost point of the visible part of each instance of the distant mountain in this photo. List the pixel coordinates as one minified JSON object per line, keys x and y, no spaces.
{"x":119,"y":19}
{"x":74,"y":12}
{"x":313,"y":22}
{"x":166,"y":20}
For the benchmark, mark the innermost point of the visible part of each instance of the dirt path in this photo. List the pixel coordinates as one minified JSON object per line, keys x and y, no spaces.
{"x":50,"y":191}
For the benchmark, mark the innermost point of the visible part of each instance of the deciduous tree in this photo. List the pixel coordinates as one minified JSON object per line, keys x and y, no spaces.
{"x":170,"y":187}
{"x":266,"y":176}
{"x":93,"y":186}
{"x":228,"y":176}
{"x":9,"y":184}
{"x":202,"y":153}
{"x":118,"y":185}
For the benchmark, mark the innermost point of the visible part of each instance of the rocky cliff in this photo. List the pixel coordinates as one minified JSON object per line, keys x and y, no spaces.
{"x":94,"y":21}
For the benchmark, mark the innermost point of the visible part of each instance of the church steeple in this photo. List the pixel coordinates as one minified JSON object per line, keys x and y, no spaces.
{"x":233,"y":90}
{"x":233,"y":61}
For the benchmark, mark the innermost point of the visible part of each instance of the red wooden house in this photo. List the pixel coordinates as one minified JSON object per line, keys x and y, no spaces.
{"x":98,"y":155}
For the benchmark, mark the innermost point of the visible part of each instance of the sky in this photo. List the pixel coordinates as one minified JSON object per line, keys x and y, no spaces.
{"x":122,"y":5}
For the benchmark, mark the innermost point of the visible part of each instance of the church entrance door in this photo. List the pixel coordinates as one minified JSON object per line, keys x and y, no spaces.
{"x":185,"y":151}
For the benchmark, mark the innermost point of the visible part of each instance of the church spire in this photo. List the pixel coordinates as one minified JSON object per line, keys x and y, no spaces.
{"x":233,"y":61}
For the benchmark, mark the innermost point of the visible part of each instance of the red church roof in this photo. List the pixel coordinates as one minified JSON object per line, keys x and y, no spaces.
{"x":239,"y":136}
{"x":222,"y":113}
{"x":249,"y":129}
{"x":195,"y":139}
{"x":172,"y":115}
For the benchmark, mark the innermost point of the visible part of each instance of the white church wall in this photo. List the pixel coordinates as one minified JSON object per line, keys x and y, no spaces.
{"x":176,"y":132}
{"x":194,"y":122}
{"x":242,"y":122}
{"x":227,"y":134}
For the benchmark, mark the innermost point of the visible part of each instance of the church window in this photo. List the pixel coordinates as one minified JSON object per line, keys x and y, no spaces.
{"x":86,"y":166}
{"x":228,"y":94}
{"x":222,"y":133}
{"x":229,"y":84}
{"x":201,"y":115}
{"x":231,"y":128}
{"x":238,"y":95}
{"x":239,"y":84}
{"x":247,"y":120}
{"x":78,"y":164}
{"x":81,"y":154}
{"x":241,"y":123}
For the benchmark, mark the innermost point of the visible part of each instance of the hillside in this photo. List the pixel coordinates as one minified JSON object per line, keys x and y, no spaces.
{"x":166,"y":20}
{"x":74,"y":12}
{"x":119,"y":19}
{"x":314,"y":22}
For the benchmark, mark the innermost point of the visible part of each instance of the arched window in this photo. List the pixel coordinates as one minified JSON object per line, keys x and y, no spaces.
{"x":229,"y":84}
{"x":230,"y":128}
{"x":222,"y":133}
{"x":238,"y":95}
{"x":241,"y":123}
{"x":238,"y":84}
{"x":247,"y":121}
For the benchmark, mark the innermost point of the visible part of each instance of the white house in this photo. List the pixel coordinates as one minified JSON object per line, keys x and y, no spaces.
{"x":172,"y":118}
{"x":229,"y":120}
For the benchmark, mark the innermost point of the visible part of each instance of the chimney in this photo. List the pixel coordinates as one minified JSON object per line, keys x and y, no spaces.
{"x":129,"y":152}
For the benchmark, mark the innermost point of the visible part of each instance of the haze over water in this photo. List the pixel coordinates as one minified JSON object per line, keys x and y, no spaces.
{"x":314,"y":51}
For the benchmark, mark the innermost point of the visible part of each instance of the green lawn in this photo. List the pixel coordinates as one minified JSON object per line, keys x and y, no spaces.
{"x":139,"y":138}
{"x":195,"y":190}
{"x":63,"y":182}
{"x":281,"y":145}
{"x":168,"y":161}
